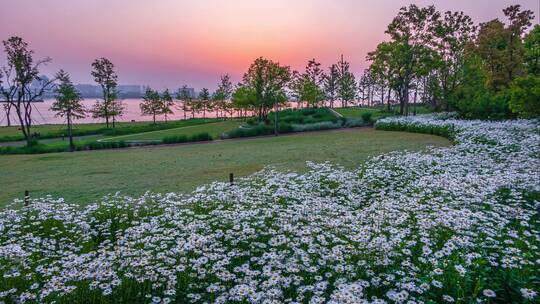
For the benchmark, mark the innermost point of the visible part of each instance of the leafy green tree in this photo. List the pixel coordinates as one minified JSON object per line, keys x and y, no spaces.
{"x":346,"y":90}
{"x":491,"y":46}
{"x":331,"y":84}
{"x":244,"y":99}
{"x":104,"y":74}
{"x":501,"y":47}
{"x":411,"y":34}
{"x":452,"y":34}
{"x":152,"y":104}
{"x":265,"y":81}
{"x":532,"y":51}
{"x":384,"y":68}
{"x":68,"y":103}
{"x":519,"y":22}
{"x":525,"y":96}
{"x":476,"y":100}
{"x":184,"y":95}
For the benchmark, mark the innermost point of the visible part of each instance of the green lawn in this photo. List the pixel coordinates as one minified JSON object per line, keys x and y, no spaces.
{"x":86,"y":176}
{"x":59,"y":129}
{"x":214,"y":129}
{"x":355,"y":112}
{"x":48,"y":131}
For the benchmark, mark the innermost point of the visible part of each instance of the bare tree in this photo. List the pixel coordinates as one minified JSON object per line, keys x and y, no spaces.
{"x":20,"y":82}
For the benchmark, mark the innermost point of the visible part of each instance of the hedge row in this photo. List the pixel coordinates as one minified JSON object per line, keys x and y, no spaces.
{"x":42,"y":148}
{"x":446,"y":131}
{"x":185,"y":138}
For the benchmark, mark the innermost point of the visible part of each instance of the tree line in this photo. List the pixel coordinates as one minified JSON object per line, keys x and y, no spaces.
{"x":444,"y":60}
{"x":489,"y":70}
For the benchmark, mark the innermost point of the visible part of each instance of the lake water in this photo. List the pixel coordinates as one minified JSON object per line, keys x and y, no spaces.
{"x":41,"y":113}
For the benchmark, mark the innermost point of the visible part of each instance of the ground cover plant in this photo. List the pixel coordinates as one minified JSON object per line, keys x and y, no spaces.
{"x":456,"y":224}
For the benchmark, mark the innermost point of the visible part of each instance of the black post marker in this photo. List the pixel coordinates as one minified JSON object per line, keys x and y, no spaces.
{"x":26,"y":197}
{"x":231,"y":178}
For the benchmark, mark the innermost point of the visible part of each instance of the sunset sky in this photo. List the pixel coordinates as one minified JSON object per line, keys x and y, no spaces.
{"x":167,"y":43}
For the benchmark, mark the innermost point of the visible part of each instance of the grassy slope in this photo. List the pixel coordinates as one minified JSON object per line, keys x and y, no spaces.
{"x":59,"y":129}
{"x":356,"y":112}
{"x":84,"y":176}
{"x":214,"y":129}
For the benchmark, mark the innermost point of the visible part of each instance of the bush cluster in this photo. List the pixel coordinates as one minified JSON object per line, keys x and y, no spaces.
{"x":325,"y":125}
{"x":446,"y":131}
{"x":261,"y":129}
{"x":38,"y":148}
{"x":184,"y":138}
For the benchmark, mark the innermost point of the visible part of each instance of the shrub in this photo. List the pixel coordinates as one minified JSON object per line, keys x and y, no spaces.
{"x":354,"y":122}
{"x":261,"y":129}
{"x":97,"y":145}
{"x":304,"y":116}
{"x":444,"y":130}
{"x":33,"y":149}
{"x":367,"y":116}
{"x":184,"y":138}
{"x":325,"y":125}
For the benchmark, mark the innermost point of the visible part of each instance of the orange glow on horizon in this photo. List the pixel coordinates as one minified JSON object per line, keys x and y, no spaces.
{"x":172,"y":42}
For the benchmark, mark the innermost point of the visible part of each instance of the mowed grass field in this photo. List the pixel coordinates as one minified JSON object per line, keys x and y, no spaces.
{"x":357,"y":112}
{"x":59,"y":129}
{"x":82,"y":177}
{"x":215,"y":130}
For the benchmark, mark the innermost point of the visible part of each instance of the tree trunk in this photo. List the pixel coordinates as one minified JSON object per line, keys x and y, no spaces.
{"x":7,"y":107}
{"x":415,"y":93}
{"x":70,"y":132}
{"x":276,"y":119}
{"x":388,"y":99}
{"x":22,"y":123}
{"x":106,"y":108}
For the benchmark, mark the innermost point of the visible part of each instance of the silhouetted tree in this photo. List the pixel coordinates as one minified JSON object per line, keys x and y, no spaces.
{"x":309,"y":85}
{"x":222,"y":94}
{"x":331,"y":84}
{"x":166,"y":103}
{"x":68,"y":103}
{"x":151,"y":104}
{"x":346,"y":91}
{"x":20,"y":83}
{"x":204,"y":101}
{"x":184,"y":95}
{"x":104,"y":75}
